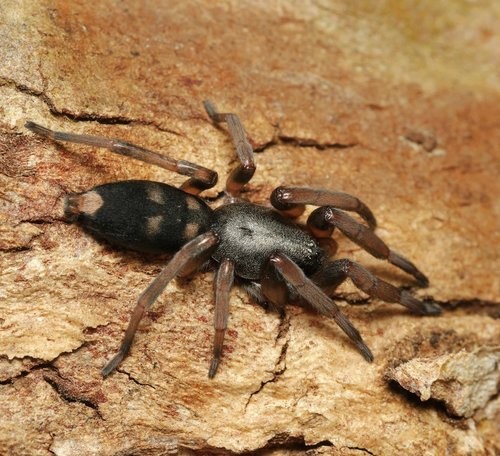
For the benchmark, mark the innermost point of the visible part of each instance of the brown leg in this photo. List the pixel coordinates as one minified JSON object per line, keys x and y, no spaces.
{"x":223,"y":283}
{"x":319,"y":300}
{"x":274,"y":288}
{"x":292,"y":201}
{"x":179,"y":262}
{"x":200,"y":178}
{"x":334,"y":273}
{"x":242,"y":174}
{"x":325,"y":218}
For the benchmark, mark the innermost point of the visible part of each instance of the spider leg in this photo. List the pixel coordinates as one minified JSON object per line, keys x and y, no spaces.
{"x":334,"y":273}
{"x":242,"y":174}
{"x":311,"y":293}
{"x":292,"y":200}
{"x":200,"y":178}
{"x":326,"y":217}
{"x":223,"y":282}
{"x":274,"y":288}
{"x":177,"y":264}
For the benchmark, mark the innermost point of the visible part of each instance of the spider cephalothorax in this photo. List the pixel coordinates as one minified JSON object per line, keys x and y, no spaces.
{"x":261,"y":246}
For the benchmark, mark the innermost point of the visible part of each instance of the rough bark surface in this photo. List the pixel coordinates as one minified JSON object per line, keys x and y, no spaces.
{"x":397,"y":103}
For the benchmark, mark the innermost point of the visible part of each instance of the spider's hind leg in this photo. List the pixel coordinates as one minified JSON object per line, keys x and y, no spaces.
{"x":334,"y":273}
{"x":181,"y":262}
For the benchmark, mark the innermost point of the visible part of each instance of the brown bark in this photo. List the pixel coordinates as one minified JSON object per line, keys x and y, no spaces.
{"x":398,"y":105}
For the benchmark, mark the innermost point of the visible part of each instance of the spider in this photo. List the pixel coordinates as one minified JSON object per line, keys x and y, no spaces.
{"x":275,"y":259}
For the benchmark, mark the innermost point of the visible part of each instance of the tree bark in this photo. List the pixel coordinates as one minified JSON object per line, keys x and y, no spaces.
{"x":397,"y":105}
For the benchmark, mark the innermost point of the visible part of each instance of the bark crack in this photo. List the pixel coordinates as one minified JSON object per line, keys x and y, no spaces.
{"x":472,"y":306}
{"x":310,"y":142}
{"x":363,"y":450}
{"x":280,"y":364}
{"x":279,"y":139}
{"x":25,"y":372}
{"x":132,"y":378}
{"x":84,"y":116}
{"x":296,"y":141}
{"x":52,"y":438}
{"x":281,"y":441}
{"x":285,"y":441}
{"x":68,"y":391}
{"x":36,"y":364}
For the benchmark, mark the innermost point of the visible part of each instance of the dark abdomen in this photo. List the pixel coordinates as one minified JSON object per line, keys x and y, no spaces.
{"x":140,"y":215}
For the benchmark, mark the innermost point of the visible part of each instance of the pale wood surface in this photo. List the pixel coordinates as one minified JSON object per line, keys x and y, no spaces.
{"x":397,"y":104}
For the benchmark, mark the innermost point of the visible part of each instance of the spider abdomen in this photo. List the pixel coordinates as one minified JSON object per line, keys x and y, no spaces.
{"x":249,"y":234}
{"x":140,"y":215}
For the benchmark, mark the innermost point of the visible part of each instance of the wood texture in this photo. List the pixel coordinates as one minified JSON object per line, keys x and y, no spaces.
{"x":398,"y":104}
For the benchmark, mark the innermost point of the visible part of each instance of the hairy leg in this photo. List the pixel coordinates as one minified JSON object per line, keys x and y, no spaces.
{"x":200,"y":178}
{"x":223,"y":283}
{"x":242,"y":174}
{"x":179,"y":262}
{"x":311,"y":293}
{"x":334,"y":273}
{"x":326,"y":217}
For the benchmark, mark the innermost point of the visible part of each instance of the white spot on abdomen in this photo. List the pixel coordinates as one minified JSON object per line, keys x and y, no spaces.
{"x":89,"y":203}
{"x":154,"y":224}
{"x":155,"y":194}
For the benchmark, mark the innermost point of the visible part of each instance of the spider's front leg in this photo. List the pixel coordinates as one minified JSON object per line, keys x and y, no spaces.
{"x":242,"y":174}
{"x":200,"y":178}
{"x":292,"y":202}
{"x":325,"y":218}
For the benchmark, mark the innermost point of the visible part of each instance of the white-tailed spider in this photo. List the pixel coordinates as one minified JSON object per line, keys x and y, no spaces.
{"x":273,"y":257}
